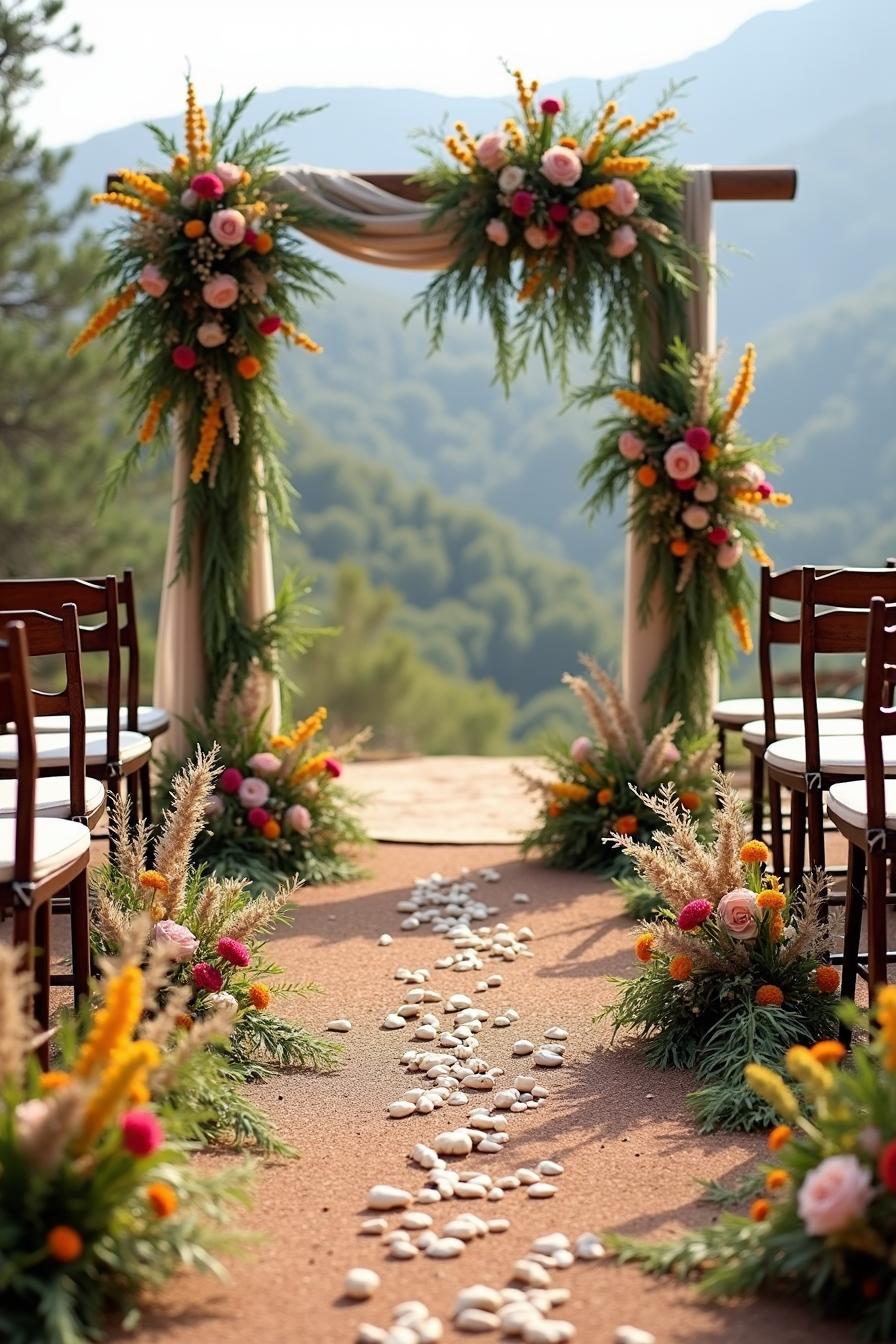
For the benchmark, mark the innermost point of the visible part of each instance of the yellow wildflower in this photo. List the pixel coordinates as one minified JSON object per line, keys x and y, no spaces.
{"x":754,"y":851}
{"x":625,"y":165}
{"x":741,"y":629}
{"x":144,"y":185}
{"x":147,"y":431}
{"x":103,"y":318}
{"x":125,"y":202}
{"x":806,"y":1069}
{"x":127,"y":1069}
{"x":301,"y":339}
{"x":315,"y":765}
{"x":574,"y":793}
{"x":644,"y":408}
{"x":885,"y":1009}
{"x":741,"y":387}
{"x":208,"y":435}
{"x":307,"y":728}
{"x":652,"y":124}
{"x":192,"y":130}
{"x":114,"y":1023}
{"x":772,"y":1088}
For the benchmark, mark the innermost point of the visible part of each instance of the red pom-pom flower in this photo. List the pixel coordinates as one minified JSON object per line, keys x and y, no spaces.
{"x":207,"y":977}
{"x":693,"y":914}
{"x":229,"y":949}
{"x":184,"y":357}
{"x":230,"y":779}
{"x":208,"y":185}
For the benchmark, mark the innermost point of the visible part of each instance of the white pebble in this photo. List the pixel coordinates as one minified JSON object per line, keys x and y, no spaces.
{"x":548,"y":1332}
{"x":427,"y":1197}
{"x":453,"y":1143}
{"x":502,"y":1022}
{"x":388,"y":1197}
{"x":446,"y":1248}
{"x":391,"y":1022}
{"x":373,"y":1227}
{"x":384,"y":940}
{"x":339,"y":1024}
{"x":495,"y":1194}
{"x":547,"y":1059}
{"x":474,"y":1322}
{"x":429,"y":1331}
{"x":551,"y":1242}
{"x":541,"y":1190}
{"x":524,"y":1083}
{"x":631,"y":1334}
{"x":479,"y":1296}
{"x":401,"y":1334}
{"x":590,"y":1247}
{"x":531,"y":1273}
{"x":495,"y":981}
{"x":498,"y":1224}
{"x":551,"y":1169}
{"x":463,"y":1228}
{"x":526,"y":1175}
{"x":402,"y":1250}
{"x":361,"y":1283}
{"x":370,"y":1334}
{"x":521,"y":898}
{"x":399,"y":1109}
{"x":556,"y":1034}
{"x":416,"y":1221}
{"x":523,"y":1048}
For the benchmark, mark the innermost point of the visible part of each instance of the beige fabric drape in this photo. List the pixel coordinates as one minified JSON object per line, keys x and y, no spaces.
{"x":643,"y":644}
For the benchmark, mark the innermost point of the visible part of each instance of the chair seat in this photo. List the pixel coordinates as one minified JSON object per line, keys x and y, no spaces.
{"x":735,"y":713}
{"x":754,"y":733}
{"x":150,"y":721}
{"x":53,"y":750}
{"x":838,"y":755}
{"x":52,"y":796}
{"x":849,"y":803}
{"x":57,"y":843}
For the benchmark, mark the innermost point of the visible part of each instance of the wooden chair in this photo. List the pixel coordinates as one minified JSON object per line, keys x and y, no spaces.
{"x":39,"y":856}
{"x":864,"y":811}
{"x":809,"y":764}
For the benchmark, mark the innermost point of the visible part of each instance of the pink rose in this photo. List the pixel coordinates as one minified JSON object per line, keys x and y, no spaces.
{"x":227,"y":227}
{"x":221,"y":291}
{"x":230,"y":779}
{"x":706,"y":491}
{"x":551,"y":107}
{"x":511,"y":178}
{"x":737,"y":913}
{"x":585,"y":223}
{"x":535,"y":236}
{"x":728,"y":554}
{"x":179,"y":941}
{"x":189,"y":199}
{"x":561,"y":166}
{"x":264,"y":763}
{"x":211,"y":334}
{"x":681,"y":462}
{"x":631,"y":446}
{"x":698,"y":437}
{"x":497,"y":232}
{"x":491,"y":150}
{"x":229,"y":173}
{"x":622,"y":241}
{"x":208,"y":186}
{"x":253,"y":792}
{"x":625,"y":197}
{"x":152,"y":281}
{"x":298,"y":818}
{"x":522,"y":203}
{"x":695,"y":517}
{"x":580,"y":749}
{"x":836,"y":1193}
{"x":214,"y":807}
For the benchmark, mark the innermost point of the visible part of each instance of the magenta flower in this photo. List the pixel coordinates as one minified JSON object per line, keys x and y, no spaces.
{"x":230,"y":779}
{"x":141,"y":1133}
{"x":332,"y":767}
{"x":207,"y":977}
{"x":257,"y":817}
{"x":208,"y":186}
{"x":698,"y":437}
{"x":693,"y":914}
{"x":236,"y":953}
{"x":522,"y":203}
{"x":551,"y":107}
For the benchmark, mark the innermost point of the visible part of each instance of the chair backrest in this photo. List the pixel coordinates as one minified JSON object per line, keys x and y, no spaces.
{"x":98,"y":598}
{"x":878,"y":715}
{"x":845,"y":596}
{"x":128,"y":642}
{"x":16,"y":708}
{"x":53,"y":636}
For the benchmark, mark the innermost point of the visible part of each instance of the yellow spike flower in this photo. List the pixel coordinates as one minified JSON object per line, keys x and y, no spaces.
{"x":741,"y":387}
{"x":144,"y":185}
{"x":208,"y":435}
{"x":644,"y":408}
{"x":806,"y":1069}
{"x":780,"y":499}
{"x":192,"y":132}
{"x":885,"y":1009}
{"x":531,"y":287}
{"x":593,"y":148}
{"x":147,"y":431}
{"x":574,"y":793}
{"x":125,"y":202}
{"x":315,"y":765}
{"x":308,"y":728}
{"x":103,"y":318}
{"x":772,"y":1088}
{"x":741,"y":629}
{"x":594,"y":197}
{"x":652,"y":124}
{"x":625,"y":165}
{"x":624,"y":122}
{"x":114,"y":1023}
{"x":301,"y":338}
{"x":126,"y":1071}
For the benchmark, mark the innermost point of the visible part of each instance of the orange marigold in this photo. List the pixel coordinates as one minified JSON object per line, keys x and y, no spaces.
{"x":604,"y":796}
{"x":646,"y":476}
{"x":689,"y":800}
{"x":194,"y":228}
{"x":827,"y":978}
{"x":626,"y":825}
{"x":64,"y":1243}
{"x":827,"y":1052}
{"x":154,"y":881}
{"x":184,"y":1021}
{"x":248,"y":367}
{"x":644,"y":947}
{"x":259,"y":995}
{"x":555,"y":809}
{"x":754,"y":851}
{"x":769,"y":996}
{"x":680,"y":967}
{"x":760,"y":1210}
{"x":162,"y":1199}
{"x":679,"y":547}
{"x":777,"y":1179}
{"x":780,"y":1135}
{"x":271,"y":830}
{"x":263,"y":244}
{"x":771,"y":900}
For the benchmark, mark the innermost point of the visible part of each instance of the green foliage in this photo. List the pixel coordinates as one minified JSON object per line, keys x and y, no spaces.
{"x":640,"y":899}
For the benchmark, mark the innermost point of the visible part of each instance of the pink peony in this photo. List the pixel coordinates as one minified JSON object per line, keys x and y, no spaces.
{"x":585,"y":223}
{"x":208,"y":186}
{"x":257,"y":817}
{"x":511,"y":178}
{"x":230,"y":779}
{"x":332,"y":767}
{"x":189,"y":199}
{"x":580,"y":749}
{"x":141,"y":1133}
{"x":625,"y":197}
{"x":706,"y":491}
{"x":176,"y":938}
{"x":522,"y":203}
{"x":152,"y":281}
{"x":184,"y":357}
{"x":737,"y":913}
{"x":835,"y":1194}
{"x":264,"y":763}
{"x":694,"y":913}
{"x":229,"y":173}
{"x":211,"y":334}
{"x":551,"y":107}
{"x":561,"y":166}
{"x":207,"y":977}
{"x":558,"y":212}
{"x":298,"y":818}
{"x":221,"y":291}
{"x":497,"y":232}
{"x":271,"y":324}
{"x":695,"y":517}
{"x":214,"y":807}
{"x":535,"y":237}
{"x":491,"y":150}
{"x":698,"y":437}
{"x":681,"y":462}
{"x":254,"y":792}
{"x":631,"y":446}
{"x":229,"y":949}
{"x":622,"y":241}
{"x":718,"y":535}
{"x":728,"y":554}
{"x":227,"y":227}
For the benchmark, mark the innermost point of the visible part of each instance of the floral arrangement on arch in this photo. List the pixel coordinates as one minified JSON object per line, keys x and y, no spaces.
{"x":98,"y":1205}
{"x":822,"y":1229}
{"x":559,"y":217}
{"x":207,"y":277}
{"x":698,"y":495}
{"x":589,"y":799}
{"x":732,"y":967}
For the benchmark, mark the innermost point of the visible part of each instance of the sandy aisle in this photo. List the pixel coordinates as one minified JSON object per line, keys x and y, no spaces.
{"x":622,"y":1131}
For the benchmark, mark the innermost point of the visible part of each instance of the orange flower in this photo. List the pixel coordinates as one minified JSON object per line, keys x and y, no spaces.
{"x":711,"y":453}
{"x":194,"y":228}
{"x":680,"y":967}
{"x":153,"y":415}
{"x":771,"y":900}
{"x":208,"y":437}
{"x":568,"y":142}
{"x":679,"y":547}
{"x":644,"y":947}
{"x":827,"y":1052}
{"x":53,"y":1080}
{"x":827,"y":978}
{"x":626,"y":825}
{"x":271,"y":829}
{"x":248,"y":367}
{"x":139,"y":1094}
{"x":646,"y":476}
{"x":780,"y":1135}
{"x":555,"y":809}
{"x":776,"y":928}
{"x":754,"y":851}
{"x":64,"y":1243}
{"x":184,"y":1021}
{"x":777,"y":1179}
{"x":769,"y":996}
{"x":604,"y":796}
{"x":689,"y":800}
{"x":760,"y":1210}
{"x":154,"y":881}
{"x":259,"y":995}
{"x":162,"y":1199}
{"x":263,"y":244}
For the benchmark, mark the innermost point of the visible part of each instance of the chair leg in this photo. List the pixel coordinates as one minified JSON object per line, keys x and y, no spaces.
{"x":720,"y":754}
{"x":815,"y":815}
{"x":776,"y":823}
{"x":146,"y":793}
{"x":877,"y":921}
{"x":132,"y":784}
{"x":797,"y":838}
{"x":757,"y":791}
{"x":79,"y":915}
{"x":852,"y":928}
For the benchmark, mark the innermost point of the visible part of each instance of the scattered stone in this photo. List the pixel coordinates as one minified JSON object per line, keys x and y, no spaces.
{"x":531,"y":1273}
{"x":416,"y":1221}
{"x":479,"y":1297}
{"x":631,"y":1334}
{"x":548,"y":1059}
{"x":498,"y":1224}
{"x":589,"y":1247}
{"x":548,"y":1168}
{"x":495,"y":981}
{"x":472,"y":1321}
{"x":399,"y":1109}
{"x":402,"y":1250}
{"x":548,"y":1332}
{"x":384,"y":940}
{"x":339,"y":1024}
{"x":370,"y":1334}
{"x":445,"y":1248}
{"x":502,"y":1022}
{"x":361,"y":1283}
{"x":388,"y":1197}
{"x":556,"y":1034}
{"x":550,"y":1242}
{"x":524,"y":1083}
{"x":453,"y":1143}
{"x":391,"y":1022}
{"x":541,"y":1190}
{"x":526,"y":1176}
{"x":523,"y":1048}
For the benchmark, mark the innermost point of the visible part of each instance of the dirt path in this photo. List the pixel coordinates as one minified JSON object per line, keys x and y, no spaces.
{"x":622,"y":1132}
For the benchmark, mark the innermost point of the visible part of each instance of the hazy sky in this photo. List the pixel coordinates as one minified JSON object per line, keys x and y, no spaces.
{"x":141,"y":48}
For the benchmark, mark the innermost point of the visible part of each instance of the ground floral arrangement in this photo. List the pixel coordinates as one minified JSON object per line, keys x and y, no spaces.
{"x":824,"y":1225}
{"x":213,"y":932}
{"x":590,"y":797}
{"x":733,"y":968}
{"x":207,"y":277}
{"x":698,"y":492}
{"x":559,"y":217}
{"x":97,"y":1203}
